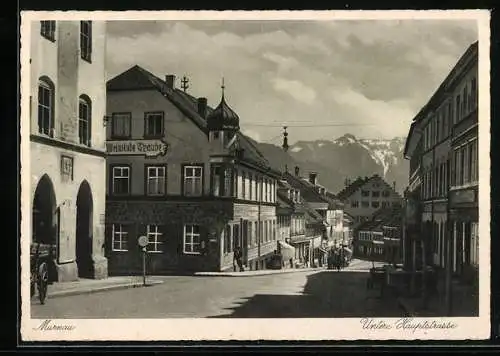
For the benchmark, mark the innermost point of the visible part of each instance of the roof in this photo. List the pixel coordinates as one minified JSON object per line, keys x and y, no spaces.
{"x":312,"y":216}
{"x":138,"y":78}
{"x":283,"y":203}
{"x":352,"y":188}
{"x":469,"y":55}
{"x":358,"y":183}
{"x":383,"y":217}
{"x":307,"y":190}
{"x":223,"y":117}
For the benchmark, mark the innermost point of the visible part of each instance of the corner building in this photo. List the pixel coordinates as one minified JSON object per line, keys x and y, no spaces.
{"x":182,"y":174}
{"x":67,"y":145}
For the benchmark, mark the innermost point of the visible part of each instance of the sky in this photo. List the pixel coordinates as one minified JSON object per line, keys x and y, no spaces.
{"x":322,"y":79}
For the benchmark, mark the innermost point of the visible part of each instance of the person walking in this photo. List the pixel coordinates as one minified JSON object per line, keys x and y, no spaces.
{"x":238,"y":255}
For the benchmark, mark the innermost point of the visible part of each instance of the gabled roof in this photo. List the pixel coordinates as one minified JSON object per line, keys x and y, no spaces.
{"x":352,"y":188}
{"x":138,"y":78}
{"x":358,"y":183}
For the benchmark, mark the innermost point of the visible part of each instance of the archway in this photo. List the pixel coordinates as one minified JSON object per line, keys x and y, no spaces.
{"x":44,"y":210}
{"x":84,"y":231}
{"x":45,"y":224}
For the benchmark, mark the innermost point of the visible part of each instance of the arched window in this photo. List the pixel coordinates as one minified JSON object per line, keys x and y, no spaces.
{"x":84,"y":120}
{"x":46,"y":106}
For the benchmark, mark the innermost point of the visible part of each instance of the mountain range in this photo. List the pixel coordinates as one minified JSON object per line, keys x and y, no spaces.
{"x":344,"y":158}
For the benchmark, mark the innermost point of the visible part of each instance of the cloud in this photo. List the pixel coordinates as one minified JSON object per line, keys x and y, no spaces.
{"x":295,"y":89}
{"x":317,"y":74}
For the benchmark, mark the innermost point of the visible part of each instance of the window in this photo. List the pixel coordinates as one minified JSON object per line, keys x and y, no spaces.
{"x":250,"y":183}
{"x":375,"y":194}
{"x":156,"y":180}
{"x":86,"y":40}
{"x":193,"y":180}
{"x":154,"y":238}
{"x":227,"y":239}
{"x":464,"y":165}
{"x":474,"y":258}
{"x":458,"y":174}
{"x":438,"y":127}
{"x":464,"y":101}
{"x":46,"y":107}
{"x":119,"y":238}
{"x":473,"y":90}
{"x":386,"y":193}
{"x":457,"y":110}
{"x":84,"y":120}
{"x":375,"y":204}
{"x":365,"y":204}
{"x":365,"y":193}
{"x":192,"y":239}
{"x":243,"y":185}
{"x":221,"y":181}
{"x":121,"y":180}
{"x":153,"y":124}
{"x":354,"y":204}
{"x":385,"y":204}
{"x":48,"y":30}
{"x":120,"y":125}
{"x":450,"y":117}
{"x":474,"y":162}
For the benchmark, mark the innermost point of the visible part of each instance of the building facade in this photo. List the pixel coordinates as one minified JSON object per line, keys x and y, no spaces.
{"x":364,"y":196}
{"x":442,"y":146}
{"x":379,"y":238}
{"x":183,"y":175}
{"x":67,"y":144}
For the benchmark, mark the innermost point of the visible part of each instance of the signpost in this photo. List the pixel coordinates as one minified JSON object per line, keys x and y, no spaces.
{"x":143,"y":242}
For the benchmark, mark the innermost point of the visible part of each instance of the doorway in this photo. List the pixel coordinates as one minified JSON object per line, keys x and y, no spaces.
{"x":45,"y":228}
{"x":84,"y":231}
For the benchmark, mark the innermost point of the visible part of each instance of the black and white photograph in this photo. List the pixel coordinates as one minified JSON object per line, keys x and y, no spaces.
{"x":200,"y":175}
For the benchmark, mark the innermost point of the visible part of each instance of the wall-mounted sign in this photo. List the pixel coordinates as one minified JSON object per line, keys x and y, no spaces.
{"x":148,"y":148}
{"x":463,"y":196}
{"x":67,"y":167}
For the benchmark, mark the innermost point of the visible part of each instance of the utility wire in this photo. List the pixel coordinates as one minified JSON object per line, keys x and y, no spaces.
{"x":311,"y":125}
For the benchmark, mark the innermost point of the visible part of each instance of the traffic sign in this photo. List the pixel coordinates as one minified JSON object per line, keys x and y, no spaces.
{"x":142,"y":241}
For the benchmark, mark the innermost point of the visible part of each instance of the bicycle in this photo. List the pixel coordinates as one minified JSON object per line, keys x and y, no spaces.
{"x":39,"y":278}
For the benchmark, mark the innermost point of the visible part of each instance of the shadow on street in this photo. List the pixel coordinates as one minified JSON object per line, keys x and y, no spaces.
{"x":327,"y":294}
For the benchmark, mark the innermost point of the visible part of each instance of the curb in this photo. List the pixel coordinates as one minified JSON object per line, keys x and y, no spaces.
{"x":67,"y":293}
{"x":266,"y":273}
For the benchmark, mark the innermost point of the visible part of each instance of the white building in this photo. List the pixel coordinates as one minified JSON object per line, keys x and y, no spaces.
{"x":67,"y":144}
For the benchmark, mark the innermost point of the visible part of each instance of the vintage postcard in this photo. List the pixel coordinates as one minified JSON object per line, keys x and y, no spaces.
{"x":281,"y":175}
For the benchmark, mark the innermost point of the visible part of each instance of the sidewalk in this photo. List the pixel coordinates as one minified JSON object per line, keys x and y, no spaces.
{"x":85,"y":286}
{"x":262,"y":272}
{"x":465,"y":304}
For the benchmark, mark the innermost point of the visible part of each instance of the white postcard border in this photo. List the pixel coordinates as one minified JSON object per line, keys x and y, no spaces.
{"x":261,"y":329}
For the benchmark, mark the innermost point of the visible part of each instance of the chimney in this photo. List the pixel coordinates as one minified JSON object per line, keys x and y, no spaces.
{"x":312,"y":178}
{"x":202,"y":107}
{"x":170,"y":81}
{"x":297,"y":170}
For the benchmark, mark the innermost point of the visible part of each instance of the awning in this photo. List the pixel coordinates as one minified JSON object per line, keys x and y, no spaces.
{"x":287,"y":251}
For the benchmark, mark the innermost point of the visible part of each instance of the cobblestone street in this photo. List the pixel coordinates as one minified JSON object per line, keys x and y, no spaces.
{"x":311,"y":294}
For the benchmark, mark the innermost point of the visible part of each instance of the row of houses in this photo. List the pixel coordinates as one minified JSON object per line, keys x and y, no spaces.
{"x":441,"y":201}
{"x":136,"y":156}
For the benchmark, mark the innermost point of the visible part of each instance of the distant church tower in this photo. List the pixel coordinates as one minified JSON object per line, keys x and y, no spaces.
{"x":222,"y":124}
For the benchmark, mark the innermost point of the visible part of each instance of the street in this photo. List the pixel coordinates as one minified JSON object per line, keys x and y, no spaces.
{"x":308,"y":294}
